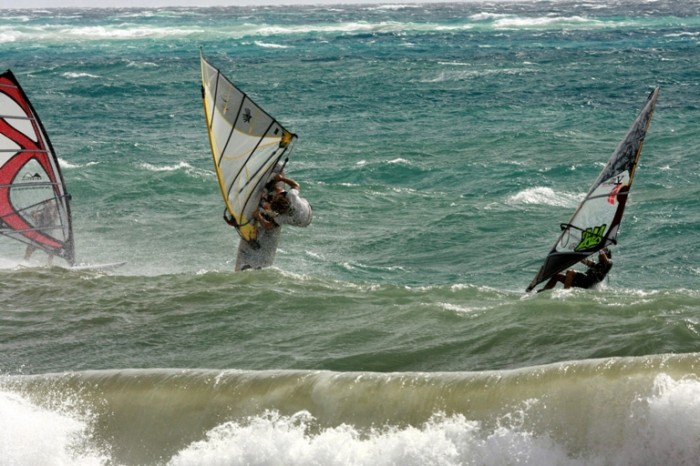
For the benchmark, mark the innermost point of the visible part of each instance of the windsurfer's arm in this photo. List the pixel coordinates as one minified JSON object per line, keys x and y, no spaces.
{"x":266,"y":224}
{"x":587,"y":262}
{"x":292,"y":184}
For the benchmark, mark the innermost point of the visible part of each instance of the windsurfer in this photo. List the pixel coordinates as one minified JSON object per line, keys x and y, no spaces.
{"x":595,"y":274}
{"x":277,"y":207}
{"x":45,"y":219}
{"x":284,"y":207}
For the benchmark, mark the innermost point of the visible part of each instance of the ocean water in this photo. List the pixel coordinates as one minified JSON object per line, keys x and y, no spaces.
{"x":441,"y":147}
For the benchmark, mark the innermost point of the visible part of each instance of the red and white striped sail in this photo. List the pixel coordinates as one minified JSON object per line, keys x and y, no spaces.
{"x":34,"y":205}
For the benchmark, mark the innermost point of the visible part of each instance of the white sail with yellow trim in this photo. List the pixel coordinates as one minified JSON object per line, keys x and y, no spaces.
{"x":246,"y":144}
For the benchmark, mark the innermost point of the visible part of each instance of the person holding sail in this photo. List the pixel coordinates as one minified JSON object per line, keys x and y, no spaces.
{"x":277,"y":207}
{"x":595,"y":273}
{"x":284,"y":207}
{"x":45,"y":219}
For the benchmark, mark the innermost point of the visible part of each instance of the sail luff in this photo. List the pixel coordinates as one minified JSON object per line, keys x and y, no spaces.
{"x":209,"y":117}
{"x":210,"y":122}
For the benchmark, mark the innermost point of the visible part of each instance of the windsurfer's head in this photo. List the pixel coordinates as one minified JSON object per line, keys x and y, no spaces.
{"x":280,"y":203}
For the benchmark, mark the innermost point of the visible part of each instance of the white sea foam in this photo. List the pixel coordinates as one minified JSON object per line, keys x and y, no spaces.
{"x":394,"y":6}
{"x":139,"y":32}
{"x":467,"y":74}
{"x":275,"y":439}
{"x":361,"y":267}
{"x":31,"y":435}
{"x":145,"y":64}
{"x":267,"y":45}
{"x":10,"y":263}
{"x":66,"y":33}
{"x":68,"y":165}
{"x":348,"y":27}
{"x":652,"y":421}
{"x":453,"y":63}
{"x":664,"y":428}
{"x":399,"y":161}
{"x":487,"y":16}
{"x":130,"y":30}
{"x":546,"y":21}
{"x":166,"y":168}
{"x":660,"y":428}
{"x":75,"y":75}
{"x":6,"y":37}
{"x":683,"y":34}
{"x":463,"y":309}
{"x":545,"y":196}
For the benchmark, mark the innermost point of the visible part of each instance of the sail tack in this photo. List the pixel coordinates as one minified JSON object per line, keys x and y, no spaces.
{"x":34,"y":205}
{"x":246,"y":144}
{"x":596,"y":222}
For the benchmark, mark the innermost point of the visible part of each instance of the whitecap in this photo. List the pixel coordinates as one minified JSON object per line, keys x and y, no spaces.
{"x":41,"y":436}
{"x":267,"y":45}
{"x":297,"y":439}
{"x":75,"y":75}
{"x":544,"y":196}
{"x":463,"y":309}
{"x":400,"y":161}
{"x":165,"y":168}
{"x":508,"y":23}
{"x":486,"y":16}
{"x":8,"y":37}
{"x":69,"y":165}
{"x":184,"y":166}
{"x":394,"y":6}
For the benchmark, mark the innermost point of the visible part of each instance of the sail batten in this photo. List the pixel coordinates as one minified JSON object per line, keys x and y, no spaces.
{"x":246,"y":144}
{"x":34,"y":204}
{"x":596,"y":221}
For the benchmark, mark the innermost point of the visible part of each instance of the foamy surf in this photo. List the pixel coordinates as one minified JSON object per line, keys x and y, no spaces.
{"x":614,"y":411}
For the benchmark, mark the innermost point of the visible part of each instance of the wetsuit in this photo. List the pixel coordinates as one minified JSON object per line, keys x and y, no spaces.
{"x":594,"y":275}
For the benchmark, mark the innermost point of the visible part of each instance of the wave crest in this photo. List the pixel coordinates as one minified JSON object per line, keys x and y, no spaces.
{"x":545,"y":196}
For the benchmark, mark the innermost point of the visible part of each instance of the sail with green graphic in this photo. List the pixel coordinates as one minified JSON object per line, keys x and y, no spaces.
{"x":596,"y":222}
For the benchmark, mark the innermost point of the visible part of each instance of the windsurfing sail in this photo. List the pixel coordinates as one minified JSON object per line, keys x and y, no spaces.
{"x":34,"y":204}
{"x":246,"y":144}
{"x":596,"y":222}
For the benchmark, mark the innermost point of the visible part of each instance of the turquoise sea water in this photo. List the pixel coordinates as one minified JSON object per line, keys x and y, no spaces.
{"x":441,"y":147}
